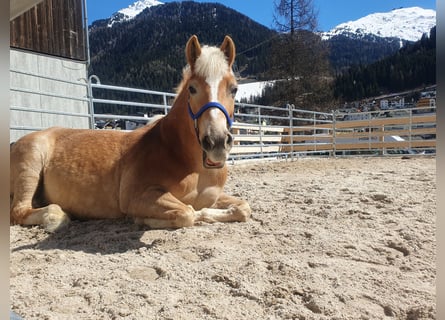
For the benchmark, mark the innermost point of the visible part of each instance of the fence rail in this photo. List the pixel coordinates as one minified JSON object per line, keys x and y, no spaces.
{"x":271,"y":132}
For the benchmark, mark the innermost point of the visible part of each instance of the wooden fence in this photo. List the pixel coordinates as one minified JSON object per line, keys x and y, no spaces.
{"x":394,"y":131}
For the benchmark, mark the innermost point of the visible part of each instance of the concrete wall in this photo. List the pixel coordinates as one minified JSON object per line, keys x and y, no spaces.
{"x":23,"y":122}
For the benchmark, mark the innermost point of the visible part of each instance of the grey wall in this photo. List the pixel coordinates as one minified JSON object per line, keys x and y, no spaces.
{"x":23,"y":122}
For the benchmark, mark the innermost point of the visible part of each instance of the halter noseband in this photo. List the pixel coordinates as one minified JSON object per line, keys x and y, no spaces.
{"x":209,"y":105}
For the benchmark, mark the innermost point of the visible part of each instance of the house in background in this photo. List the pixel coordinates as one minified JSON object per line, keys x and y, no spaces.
{"x":48,"y":65}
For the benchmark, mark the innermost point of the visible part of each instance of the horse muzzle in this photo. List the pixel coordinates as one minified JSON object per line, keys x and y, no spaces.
{"x":215,"y":149}
{"x":214,"y":137}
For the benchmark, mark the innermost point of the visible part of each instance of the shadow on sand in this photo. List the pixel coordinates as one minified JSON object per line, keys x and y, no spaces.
{"x":95,"y":236}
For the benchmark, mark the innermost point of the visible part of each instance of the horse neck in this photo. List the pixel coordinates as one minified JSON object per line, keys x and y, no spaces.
{"x":178,"y":130}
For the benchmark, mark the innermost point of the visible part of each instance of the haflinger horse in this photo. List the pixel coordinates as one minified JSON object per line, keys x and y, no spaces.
{"x":168,"y":174}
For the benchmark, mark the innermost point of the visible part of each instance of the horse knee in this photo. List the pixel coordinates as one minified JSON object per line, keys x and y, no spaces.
{"x":186,"y":218}
{"x":18,"y":214}
{"x":178,"y":219}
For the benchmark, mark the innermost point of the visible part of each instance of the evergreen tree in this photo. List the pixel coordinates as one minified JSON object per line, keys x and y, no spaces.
{"x":299,"y":58}
{"x":412,"y":66}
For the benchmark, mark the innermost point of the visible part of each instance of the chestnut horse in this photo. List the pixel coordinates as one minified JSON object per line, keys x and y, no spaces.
{"x":168,"y":174}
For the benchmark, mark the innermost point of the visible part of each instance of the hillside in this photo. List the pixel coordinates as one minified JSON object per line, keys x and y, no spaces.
{"x":376,"y":36}
{"x":148,"y":51}
{"x":412,"y":66}
{"x":144,"y":48}
{"x":345,"y":51}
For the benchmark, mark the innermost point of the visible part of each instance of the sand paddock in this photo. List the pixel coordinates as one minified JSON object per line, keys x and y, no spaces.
{"x":329,"y":239}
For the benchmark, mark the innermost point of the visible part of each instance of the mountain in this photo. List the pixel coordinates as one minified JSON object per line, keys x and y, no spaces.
{"x":132,"y":11}
{"x":147,"y":51}
{"x":405,"y":23}
{"x":345,"y":51}
{"x":413,"y":66}
{"x":143,"y":45}
{"x":376,"y":36}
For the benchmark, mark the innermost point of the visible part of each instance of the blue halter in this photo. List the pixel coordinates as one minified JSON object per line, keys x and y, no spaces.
{"x":208,"y":106}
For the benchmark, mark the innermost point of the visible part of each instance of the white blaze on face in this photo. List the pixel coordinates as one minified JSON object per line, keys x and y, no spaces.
{"x":212,"y":65}
{"x":213,"y":83}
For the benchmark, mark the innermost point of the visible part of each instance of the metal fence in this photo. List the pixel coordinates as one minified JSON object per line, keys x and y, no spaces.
{"x":135,"y":107}
{"x":272,"y":132}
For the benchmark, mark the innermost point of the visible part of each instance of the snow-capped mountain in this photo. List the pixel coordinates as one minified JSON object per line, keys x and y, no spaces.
{"x":132,"y":11}
{"x":404,"y":23}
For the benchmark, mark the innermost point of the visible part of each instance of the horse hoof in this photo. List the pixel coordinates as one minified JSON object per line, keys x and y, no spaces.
{"x":55,"y":218}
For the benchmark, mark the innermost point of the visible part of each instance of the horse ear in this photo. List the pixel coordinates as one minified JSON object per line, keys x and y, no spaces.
{"x":192,"y":50}
{"x":228,"y":47}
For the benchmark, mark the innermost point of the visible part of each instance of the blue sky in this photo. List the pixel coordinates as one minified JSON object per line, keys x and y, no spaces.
{"x":330,"y":12}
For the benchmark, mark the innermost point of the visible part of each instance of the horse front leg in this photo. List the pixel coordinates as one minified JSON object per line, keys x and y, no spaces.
{"x":161,"y":210}
{"x":226,"y":209}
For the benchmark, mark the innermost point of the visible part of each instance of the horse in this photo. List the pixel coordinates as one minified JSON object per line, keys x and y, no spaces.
{"x":168,"y":174}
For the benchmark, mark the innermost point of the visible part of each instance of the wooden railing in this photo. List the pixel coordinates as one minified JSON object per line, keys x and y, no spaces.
{"x":393,"y":131}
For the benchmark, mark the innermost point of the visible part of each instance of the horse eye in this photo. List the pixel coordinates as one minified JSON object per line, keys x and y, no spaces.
{"x":192,"y":90}
{"x":233,"y":91}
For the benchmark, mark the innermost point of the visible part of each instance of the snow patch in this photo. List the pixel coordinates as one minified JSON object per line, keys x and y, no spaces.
{"x":405,"y":23}
{"x":132,"y":11}
{"x":251,"y":89}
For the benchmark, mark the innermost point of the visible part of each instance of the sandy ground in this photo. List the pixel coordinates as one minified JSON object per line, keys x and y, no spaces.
{"x":329,"y":239}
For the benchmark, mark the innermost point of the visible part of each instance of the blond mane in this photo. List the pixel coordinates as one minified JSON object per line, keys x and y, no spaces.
{"x":211,"y":63}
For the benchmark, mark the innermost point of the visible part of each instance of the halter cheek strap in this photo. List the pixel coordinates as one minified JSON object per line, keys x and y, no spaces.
{"x":209,"y":105}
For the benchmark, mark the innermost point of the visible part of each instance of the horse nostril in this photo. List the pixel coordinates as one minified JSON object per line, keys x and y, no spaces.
{"x":207,"y":143}
{"x":229,"y":140}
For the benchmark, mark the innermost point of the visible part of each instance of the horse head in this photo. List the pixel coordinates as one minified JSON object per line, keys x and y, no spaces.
{"x":211,"y":93}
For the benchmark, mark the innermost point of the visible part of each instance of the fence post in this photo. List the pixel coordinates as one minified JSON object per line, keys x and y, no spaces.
{"x":314,"y":131}
{"x":164,"y":97}
{"x":410,"y":128}
{"x":90,"y":97}
{"x":369,"y":133}
{"x":291,"y":130}
{"x":334,"y":132}
{"x":260,"y":131}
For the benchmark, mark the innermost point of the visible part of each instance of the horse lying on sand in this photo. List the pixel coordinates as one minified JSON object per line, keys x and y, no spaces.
{"x":168,"y":174}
